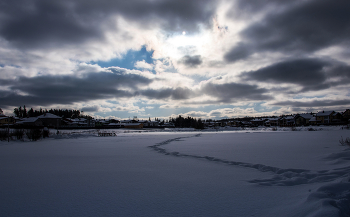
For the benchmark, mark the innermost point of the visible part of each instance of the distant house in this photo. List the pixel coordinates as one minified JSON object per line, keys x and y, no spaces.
{"x":258,"y":122}
{"x":145,"y":123}
{"x":324,"y":117}
{"x":69,"y":122}
{"x":33,"y":122}
{"x":209,"y":124}
{"x":229,"y":123}
{"x":4,"y":120}
{"x":346,"y":115}
{"x":314,"y":121}
{"x":79,"y":122}
{"x":337,"y":118}
{"x":153,"y":123}
{"x":246,"y":124}
{"x":303,"y":119}
{"x":287,"y":121}
{"x":50,"y":120}
{"x":272,"y":122}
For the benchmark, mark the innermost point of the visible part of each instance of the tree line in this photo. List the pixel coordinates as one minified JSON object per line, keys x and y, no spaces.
{"x":188,"y":122}
{"x":65,"y":113}
{"x":179,"y":121}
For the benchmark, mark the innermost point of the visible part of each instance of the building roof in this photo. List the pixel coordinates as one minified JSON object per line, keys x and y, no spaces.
{"x":289,"y":117}
{"x":324,"y":113}
{"x":28,"y":120}
{"x":306,"y":116}
{"x":313,"y":119}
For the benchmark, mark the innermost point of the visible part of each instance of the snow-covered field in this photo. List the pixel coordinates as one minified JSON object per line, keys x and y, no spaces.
{"x":178,"y":173}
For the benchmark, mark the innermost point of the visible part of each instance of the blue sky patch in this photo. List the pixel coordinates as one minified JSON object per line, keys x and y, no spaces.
{"x":129,"y":59}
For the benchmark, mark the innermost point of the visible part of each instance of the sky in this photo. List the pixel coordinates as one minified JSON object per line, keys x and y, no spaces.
{"x":209,"y":59}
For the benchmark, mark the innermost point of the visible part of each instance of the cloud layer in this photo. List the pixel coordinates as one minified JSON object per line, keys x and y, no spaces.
{"x":236,"y":58}
{"x":304,"y":28}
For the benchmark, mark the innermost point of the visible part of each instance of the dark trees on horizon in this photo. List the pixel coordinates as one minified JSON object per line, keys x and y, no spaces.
{"x":65,"y":113}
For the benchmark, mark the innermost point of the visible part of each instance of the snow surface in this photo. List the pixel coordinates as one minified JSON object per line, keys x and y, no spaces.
{"x":178,"y":173}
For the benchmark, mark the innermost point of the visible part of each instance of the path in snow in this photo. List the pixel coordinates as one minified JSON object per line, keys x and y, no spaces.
{"x":328,"y":197}
{"x":282,"y":177}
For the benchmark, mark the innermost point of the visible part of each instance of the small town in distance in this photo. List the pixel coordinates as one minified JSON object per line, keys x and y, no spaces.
{"x":74,"y":119}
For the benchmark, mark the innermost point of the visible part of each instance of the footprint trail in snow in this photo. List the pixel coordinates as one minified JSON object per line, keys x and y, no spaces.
{"x":281,"y":177}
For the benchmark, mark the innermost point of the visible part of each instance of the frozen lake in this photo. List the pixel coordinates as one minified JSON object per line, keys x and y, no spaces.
{"x":282,"y":173}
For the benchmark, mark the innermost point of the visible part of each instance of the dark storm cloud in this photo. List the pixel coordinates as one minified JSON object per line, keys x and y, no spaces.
{"x":303,"y":28}
{"x":238,"y":52}
{"x":244,"y":8}
{"x":67,"y":89}
{"x":173,"y":15}
{"x":191,"y":61}
{"x":175,"y":94}
{"x":342,"y":71}
{"x":301,"y":71}
{"x":311,"y":74}
{"x":220,"y":93}
{"x":231,"y":92}
{"x":42,"y":23}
